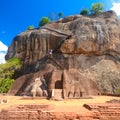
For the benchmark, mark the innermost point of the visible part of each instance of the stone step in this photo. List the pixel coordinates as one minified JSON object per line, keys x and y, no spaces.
{"x":115,"y":112}
{"x":58,"y":94}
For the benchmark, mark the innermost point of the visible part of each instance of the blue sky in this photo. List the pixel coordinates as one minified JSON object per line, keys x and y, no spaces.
{"x":16,"y":15}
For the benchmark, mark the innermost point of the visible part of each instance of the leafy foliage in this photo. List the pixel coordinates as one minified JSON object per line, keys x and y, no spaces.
{"x":44,"y":21}
{"x":118,"y":90}
{"x":60,"y":14}
{"x":5,"y":85}
{"x":84,"y":12}
{"x":30,"y":27}
{"x":96,"y":8}
{"x":7,"y":71}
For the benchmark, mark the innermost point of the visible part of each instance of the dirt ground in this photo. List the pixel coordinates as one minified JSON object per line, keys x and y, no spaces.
{"x":70,"y":103}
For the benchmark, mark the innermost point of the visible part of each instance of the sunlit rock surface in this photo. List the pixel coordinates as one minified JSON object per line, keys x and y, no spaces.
{"x":87,"y":44}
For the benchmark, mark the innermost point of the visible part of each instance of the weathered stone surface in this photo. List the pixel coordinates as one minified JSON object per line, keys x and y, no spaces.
{"x":24,"y":81}
{"x":105,"y":111}
{"x":46,"y":112}
{"x":89,"y":44}
{"x":71,"y":83}
{"x":113,"y":101}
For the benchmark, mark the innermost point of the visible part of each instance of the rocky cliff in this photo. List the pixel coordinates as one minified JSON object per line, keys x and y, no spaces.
{"x":88,"y":44}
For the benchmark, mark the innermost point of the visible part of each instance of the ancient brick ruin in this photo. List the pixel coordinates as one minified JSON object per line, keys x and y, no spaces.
{"x":46,"y":112}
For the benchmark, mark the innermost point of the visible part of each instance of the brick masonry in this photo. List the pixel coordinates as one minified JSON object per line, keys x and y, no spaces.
{"x":107,"y":111}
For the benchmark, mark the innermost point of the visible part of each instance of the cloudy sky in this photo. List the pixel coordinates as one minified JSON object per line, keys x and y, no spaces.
{"x":116,"y":7}
{"x":17,"y":15}
{"x":3,"y":50}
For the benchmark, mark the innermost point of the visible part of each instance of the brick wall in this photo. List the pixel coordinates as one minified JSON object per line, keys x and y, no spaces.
{"x":45,"y":112}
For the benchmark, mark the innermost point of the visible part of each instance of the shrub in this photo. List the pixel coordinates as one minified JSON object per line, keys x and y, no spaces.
{"x":30,"y":27}
{"x":60,"y":14}
{"x":5,"y":85}
{"x":7,"y":72}
{"x":96,"y":8}
{"x":84,"y":12}
{"x":44,"y":21}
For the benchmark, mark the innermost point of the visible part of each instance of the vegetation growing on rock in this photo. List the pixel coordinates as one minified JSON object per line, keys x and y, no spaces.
{"x":43,"y":21}
{"x":30,"y":27}
{"x":96,"y":8}
{"x":7,"y":72}
{"x":60,"y":14}
{"x":84,"y":12}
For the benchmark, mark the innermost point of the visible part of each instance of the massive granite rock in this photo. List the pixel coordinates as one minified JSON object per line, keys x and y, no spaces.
{"x":87,"y":44}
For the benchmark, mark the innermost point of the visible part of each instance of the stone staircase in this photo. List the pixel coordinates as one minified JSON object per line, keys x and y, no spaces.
{"x":105,"y":111}
{"x":50,"y":112}
{"x":58,"y":94}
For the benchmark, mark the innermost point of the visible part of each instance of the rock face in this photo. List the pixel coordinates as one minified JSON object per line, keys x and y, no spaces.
{"x":60,"y":84}
{"x":88,"y":44}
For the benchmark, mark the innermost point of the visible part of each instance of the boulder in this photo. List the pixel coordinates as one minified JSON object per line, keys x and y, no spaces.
{"x":88,"y":44}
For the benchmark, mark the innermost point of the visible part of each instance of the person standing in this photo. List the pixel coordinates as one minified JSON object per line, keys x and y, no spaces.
{"x":50,"y":52}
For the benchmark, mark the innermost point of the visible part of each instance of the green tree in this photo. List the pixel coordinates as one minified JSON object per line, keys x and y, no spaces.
{"x":96,"y":8}
{"x":30,"y":27}
{"x":44,"y":21}
{"x":60,"y":14}
{"x":7,"y":71}
{"x":84,"y":12}
{"x":5,"y":85}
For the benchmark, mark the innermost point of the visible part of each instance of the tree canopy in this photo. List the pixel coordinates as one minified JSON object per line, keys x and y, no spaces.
{"x":60,"y":14}
{"x":30,"y":27}
{"x":96,"y":8}
{"x":44,"y":21}
{"x":84,"y":12}
{"x":7,"y":71}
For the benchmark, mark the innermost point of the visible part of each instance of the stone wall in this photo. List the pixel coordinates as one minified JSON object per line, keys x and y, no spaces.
{"x":46,"y":112}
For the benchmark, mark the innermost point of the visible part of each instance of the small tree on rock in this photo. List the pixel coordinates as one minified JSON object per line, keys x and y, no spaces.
{"x":44,"y":21}
{"x":96,"y":8}
{"x":30,"y":27}
{"x":84,"y":12}
{"x":60,"y":14}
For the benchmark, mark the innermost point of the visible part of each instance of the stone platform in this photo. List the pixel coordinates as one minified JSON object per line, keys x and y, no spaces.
{"x":106,"y":111}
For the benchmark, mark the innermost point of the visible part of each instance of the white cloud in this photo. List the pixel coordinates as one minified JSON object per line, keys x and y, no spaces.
{"x":3,"y":51}
{"x":3,"y":47}
{"x":116,"y":7}
{"x":2,"y":57}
